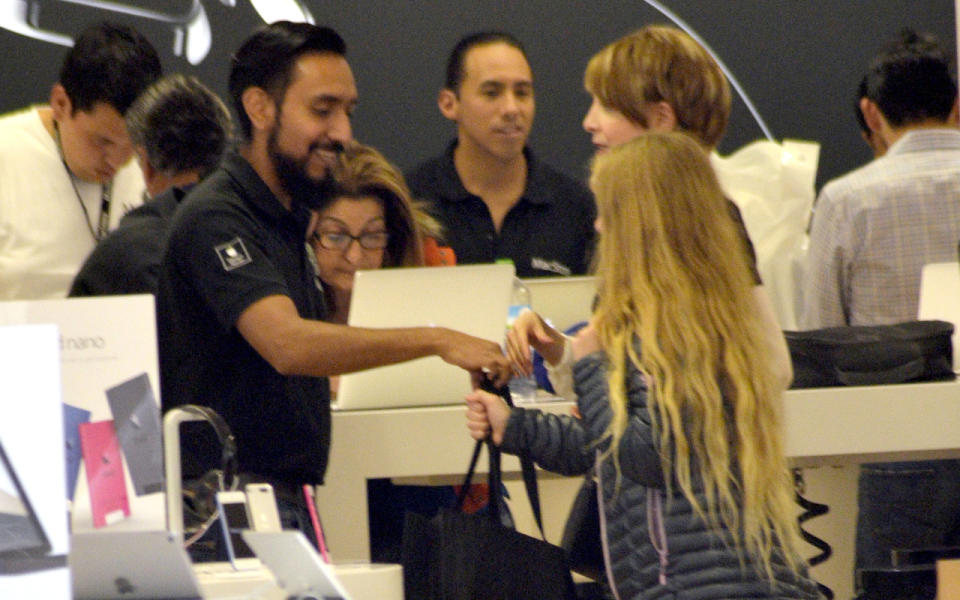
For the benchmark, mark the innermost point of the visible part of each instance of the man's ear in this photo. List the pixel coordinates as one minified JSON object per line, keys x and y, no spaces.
{"x":954,"y":118}
{"x":312,"y":225}
{"x":60,"y":102}
{"x":260,"y":107}
{"x":449,"y":104}
{"x":154,"y":181}
{"x":661,"y":116}
{"x":872,"y":115}
{"x":144,"y":162}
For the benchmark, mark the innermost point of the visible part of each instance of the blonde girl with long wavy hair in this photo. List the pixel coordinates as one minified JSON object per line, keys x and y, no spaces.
{"x":670,"y":278}
{"x":676,"y":389}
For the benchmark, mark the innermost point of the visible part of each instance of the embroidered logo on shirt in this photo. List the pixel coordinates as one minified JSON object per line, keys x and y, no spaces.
{"x":550,"y":265}
{"x":233,"y":254}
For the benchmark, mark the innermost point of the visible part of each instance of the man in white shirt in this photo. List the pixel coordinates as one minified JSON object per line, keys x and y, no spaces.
{"x":66,"y":176}
{"x":179,"y":130}
{"x":873,"y":230}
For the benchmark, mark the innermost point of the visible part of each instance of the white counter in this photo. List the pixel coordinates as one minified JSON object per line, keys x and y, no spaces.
{"x":827,"y":426}
{"x":834,"y":426}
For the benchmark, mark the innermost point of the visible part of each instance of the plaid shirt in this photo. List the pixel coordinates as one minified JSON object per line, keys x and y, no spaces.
{"x":875,"y":228}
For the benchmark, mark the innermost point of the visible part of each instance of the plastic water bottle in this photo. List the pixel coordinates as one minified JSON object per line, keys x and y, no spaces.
{"x":523,"y":388}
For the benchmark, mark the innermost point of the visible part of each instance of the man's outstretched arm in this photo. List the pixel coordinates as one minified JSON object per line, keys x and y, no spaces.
{"x":297,"y":346}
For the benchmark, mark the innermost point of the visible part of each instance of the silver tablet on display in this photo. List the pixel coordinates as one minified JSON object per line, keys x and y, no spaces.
{"x":131,"y":564}
{"x":295,"y":564}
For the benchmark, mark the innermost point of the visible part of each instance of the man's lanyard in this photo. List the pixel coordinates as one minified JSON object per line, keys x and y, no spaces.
{"x":103,"y":225}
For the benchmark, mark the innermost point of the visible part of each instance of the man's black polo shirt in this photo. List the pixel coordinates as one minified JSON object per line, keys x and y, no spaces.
{"x":128,"y":260}
{"x":232,"y":243}
{"x":548,"y":232}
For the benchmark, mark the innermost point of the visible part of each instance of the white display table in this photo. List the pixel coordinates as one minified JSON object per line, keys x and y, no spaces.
{"x":829,"y":426}
{"x":852,"y":425}
{"x":422,"y":445}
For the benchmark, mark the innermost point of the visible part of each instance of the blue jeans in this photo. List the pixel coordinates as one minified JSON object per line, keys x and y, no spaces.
{"x":906,"y":505}
{"x":294,"y":515}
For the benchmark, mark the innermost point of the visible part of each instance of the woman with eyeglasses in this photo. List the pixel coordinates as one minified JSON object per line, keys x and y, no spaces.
{"x":369,"y":221}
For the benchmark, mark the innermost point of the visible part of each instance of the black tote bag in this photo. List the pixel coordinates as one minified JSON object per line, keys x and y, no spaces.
{"x":458,"y":556}
{"x":871,"y":355}
{"x":581,"y":533}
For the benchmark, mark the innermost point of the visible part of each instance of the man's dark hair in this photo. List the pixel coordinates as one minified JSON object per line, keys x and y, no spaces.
{"x":109,"y":63}
{"x":267,"y":58}
{"x":455,"y":68}
{"x":182,"y":124}
{"x":910,"y":81}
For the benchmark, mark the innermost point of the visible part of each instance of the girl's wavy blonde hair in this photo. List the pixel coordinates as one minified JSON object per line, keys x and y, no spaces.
{"x":675,"y":300}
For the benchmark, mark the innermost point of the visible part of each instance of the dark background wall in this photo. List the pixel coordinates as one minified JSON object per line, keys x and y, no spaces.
{"x":798,"y":60}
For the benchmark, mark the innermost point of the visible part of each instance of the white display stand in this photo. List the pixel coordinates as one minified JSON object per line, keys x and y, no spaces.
{"x":365,"y":581}
{"x":828,"y":426}
{"x":31,"y":429}
{"x":419,"y":445}
{"x":104,"y":341}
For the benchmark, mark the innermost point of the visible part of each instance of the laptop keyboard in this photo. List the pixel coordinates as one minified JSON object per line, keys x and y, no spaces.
{"x":17,"y":532}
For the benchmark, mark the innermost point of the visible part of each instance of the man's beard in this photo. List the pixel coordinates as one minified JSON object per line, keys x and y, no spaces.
{"x":292,"y":173}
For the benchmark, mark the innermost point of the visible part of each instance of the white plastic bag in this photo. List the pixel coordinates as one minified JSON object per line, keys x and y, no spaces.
{"x":773,"y":185}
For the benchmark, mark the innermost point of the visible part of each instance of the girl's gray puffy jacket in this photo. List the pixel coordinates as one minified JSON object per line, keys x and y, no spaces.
{"x":694,"y":562}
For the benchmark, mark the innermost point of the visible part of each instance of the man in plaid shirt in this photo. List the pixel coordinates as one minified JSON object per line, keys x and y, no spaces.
{"x":873,"y":230}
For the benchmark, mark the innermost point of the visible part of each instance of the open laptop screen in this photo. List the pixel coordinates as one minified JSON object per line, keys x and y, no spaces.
{"x":21,"y":535}
{"x":473,"y":299}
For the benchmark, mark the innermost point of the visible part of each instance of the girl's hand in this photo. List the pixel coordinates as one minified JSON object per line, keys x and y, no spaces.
{"x":486,"y":414}
{"x":529,"y":329}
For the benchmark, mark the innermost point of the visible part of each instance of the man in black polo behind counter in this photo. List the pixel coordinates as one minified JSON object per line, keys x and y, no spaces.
{"x":493,"y":198}
{"x":240,"y":318}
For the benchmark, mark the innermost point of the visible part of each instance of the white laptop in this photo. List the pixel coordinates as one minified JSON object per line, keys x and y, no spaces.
{"x":471,"y":298}
{"x":139,"y":565}
{"x":564,"y":301}
{"x":940,"y":299}
{"x":130,"y":564}
{"x":298,"y":568}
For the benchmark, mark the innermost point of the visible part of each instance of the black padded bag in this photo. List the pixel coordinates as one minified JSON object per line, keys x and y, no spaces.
{"x":871,"y":355}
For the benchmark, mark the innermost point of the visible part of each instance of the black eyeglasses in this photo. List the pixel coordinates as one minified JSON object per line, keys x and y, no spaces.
{"x":371,"y":240}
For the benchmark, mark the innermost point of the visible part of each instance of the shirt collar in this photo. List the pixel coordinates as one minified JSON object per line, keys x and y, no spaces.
{"x":451,"y":187}
{"x":925,"y":139}
{"x":258,"y":194}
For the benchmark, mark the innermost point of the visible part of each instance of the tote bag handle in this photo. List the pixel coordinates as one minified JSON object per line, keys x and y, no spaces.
{"x":495,"y":479}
